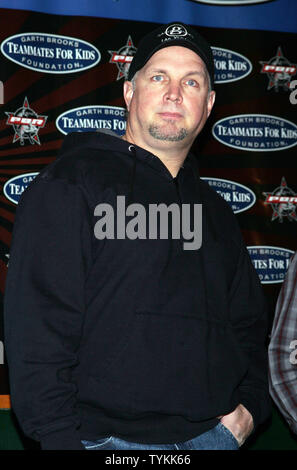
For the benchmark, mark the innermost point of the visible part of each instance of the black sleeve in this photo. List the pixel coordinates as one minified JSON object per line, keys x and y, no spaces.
{"x":248,"y":314}
{"x":44,"y":307}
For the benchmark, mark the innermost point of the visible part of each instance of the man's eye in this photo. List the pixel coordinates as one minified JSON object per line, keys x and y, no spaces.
{"x":191,"y":82}
{"x":158,"y":78}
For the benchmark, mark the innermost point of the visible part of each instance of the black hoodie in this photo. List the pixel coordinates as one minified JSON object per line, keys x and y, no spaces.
{"x":140,"y":339}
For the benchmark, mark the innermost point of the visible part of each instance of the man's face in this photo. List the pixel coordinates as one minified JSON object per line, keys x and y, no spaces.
{"x":170,"y":103}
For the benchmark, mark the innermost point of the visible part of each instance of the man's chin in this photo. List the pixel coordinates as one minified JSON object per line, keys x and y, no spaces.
{"x":167,"y":135}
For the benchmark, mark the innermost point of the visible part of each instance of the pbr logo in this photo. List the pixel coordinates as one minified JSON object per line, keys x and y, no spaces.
{"x":123,"y":58}
{"x":283,"y":202}
{"x":26,"y":124}
{"x":279,"y":71}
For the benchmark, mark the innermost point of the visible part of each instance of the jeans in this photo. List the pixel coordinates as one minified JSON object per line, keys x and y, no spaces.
{"x":217,"y":438}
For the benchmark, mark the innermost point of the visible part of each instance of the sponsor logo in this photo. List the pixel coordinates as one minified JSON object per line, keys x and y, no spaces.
{"x":14,"y":188}
{"x":270,"y":262}
{"x":50,"y":53}
{"x":123,"y":58}
{"x":237,"y":195}
{"x":231,"y":2}
{"x":26,"y":124}
{"x":93,"y":118}
{"x":279,"y":71}
{"x":229,"y":65}
{"x":283,"y":202}
{"x":256,"y":132}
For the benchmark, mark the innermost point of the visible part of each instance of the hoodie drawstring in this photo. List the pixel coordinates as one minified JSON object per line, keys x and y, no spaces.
{"x":132,"y":179}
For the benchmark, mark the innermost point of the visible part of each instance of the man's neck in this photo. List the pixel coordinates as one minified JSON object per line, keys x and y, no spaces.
{"x":172,"y":158}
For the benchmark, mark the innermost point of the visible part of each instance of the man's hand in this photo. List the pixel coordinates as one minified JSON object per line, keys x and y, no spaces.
{"x":239,"y":422}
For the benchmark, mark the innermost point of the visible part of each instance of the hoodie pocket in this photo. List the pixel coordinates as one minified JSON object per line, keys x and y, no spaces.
{"x":167,"y":364}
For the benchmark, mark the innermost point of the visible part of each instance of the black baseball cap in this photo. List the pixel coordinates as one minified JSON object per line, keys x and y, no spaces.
{"x":172,"y":34}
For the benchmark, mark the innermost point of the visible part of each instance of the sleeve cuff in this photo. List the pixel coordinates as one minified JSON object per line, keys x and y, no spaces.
{"x":254,"y":407}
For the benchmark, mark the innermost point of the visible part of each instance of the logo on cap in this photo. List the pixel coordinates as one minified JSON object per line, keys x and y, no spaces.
{"x":176,"y":30}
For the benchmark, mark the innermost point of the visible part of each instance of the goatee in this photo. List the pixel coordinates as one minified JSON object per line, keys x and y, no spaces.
{"x":157,"y":132}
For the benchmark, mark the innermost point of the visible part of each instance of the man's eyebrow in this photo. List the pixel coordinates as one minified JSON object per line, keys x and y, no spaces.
{"x":201,"y":73}
{"x":191,"y":72}
{"x":195,"y":72}
{"x":153,"y":70}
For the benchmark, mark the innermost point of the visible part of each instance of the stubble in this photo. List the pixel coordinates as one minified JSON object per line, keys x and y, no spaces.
{"x":158,"y":133}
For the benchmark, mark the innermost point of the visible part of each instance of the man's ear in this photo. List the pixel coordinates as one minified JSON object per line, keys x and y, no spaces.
{"x":210,"y":101}
{"x":128,"y":93}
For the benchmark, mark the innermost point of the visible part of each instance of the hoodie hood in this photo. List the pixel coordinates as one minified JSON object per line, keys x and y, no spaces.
{"x":112,"y":143}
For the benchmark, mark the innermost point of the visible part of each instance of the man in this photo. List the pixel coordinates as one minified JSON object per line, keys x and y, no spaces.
{"x":121,"y":331}
{"x":282,"y":351}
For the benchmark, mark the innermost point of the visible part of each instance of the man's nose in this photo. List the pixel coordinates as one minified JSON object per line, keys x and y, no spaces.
{"x":173,"y":92}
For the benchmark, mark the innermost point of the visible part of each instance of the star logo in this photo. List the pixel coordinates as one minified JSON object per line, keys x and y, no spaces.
{"x":283,"y":202}
{"x":26,"y":124}
{"x":279,"y":71}
{"x":123,"y":58}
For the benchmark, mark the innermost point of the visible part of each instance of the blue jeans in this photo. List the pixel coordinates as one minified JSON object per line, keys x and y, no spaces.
{"x":217,"y":438}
